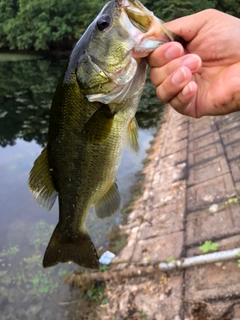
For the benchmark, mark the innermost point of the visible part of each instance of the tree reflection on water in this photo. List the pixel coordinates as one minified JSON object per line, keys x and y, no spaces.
{"x":26,"y":91}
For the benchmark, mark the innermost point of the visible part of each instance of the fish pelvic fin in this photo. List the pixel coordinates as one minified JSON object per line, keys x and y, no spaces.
{"x":40,"y":182}
{"x":76,"y":247}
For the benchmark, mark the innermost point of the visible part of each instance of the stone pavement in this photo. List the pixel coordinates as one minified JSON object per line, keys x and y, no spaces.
{"x":192,"y":164}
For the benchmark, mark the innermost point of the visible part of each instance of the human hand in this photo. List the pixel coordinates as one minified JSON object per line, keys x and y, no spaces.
{"x":204,"y":78}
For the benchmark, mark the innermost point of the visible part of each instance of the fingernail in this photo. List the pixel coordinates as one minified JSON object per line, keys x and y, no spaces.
{"x":192,"y":62}
{"x":174,"y":51}
{"x":179,"y":76}
{"x":187,"y":90}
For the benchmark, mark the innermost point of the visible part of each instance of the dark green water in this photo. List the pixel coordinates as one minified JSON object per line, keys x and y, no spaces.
{"x":27,"y":291}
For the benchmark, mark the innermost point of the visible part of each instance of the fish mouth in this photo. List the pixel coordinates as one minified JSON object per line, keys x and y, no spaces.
{"x":144,"y":27}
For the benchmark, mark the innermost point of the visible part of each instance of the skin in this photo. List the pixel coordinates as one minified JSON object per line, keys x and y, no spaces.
{"x":204,"y":77}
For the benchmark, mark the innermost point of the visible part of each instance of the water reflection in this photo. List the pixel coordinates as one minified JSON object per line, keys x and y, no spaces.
{"x":26,"y":90}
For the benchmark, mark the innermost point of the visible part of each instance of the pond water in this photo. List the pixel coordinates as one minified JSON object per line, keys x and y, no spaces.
{"x":27,"y":291}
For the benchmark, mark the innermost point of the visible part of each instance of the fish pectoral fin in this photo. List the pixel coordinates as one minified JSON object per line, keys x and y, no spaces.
{"x":132,"y":136}
{"x":109,"y":203}
{"x":99,"y":125}
{"x":40,"y":182}
{"x":69,"y":246}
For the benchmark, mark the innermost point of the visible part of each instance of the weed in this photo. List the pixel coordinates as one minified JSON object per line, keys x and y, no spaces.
{"x":13,"y":250}
{"x":104,"y":302}
{"x":126,"y":210}
{"x":208,"y":246}
{"x":63,"y":273}
{"x":119,"y":244}
{"x":28,"y":276}
{"x":232,"y":201}
{"x":41,"y":234}
{"x":170,"y":259}
{"x":138,"y":192}
{"x":104,"y":268}
{"x":95,"y":292}
{"x":238,"y":260}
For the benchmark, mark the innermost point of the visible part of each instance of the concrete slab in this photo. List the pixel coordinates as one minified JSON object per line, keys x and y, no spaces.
{"x":204,"y":140}
{"x":205,"y":154}
{"x":201,"y":195}
{"x":208,"y":170}
{"x":204,"y":225}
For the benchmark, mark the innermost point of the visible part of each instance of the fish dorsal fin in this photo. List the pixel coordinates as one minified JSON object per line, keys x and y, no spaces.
{"x":109,"y":203}
{"x":40,"y":182}
{"x":132,"y":136}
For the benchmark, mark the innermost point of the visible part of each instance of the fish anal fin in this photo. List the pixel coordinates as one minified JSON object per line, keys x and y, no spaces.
{"x":132,"y":136}
{"x":40,"y":182}
{"x":109,"y":203}
{"x":75,"y":247}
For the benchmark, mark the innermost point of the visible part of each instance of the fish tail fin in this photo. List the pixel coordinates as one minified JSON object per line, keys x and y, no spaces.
{"x":64,"y":247}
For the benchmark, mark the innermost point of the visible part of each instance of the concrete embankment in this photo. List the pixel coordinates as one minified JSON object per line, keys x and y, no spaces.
{"x":190,"y":196}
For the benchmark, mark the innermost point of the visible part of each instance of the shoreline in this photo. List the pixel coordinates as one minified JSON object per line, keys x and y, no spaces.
{"x":192,"y":164}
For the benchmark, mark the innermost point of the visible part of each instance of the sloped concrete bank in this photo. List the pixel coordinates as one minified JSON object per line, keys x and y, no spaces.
{"x":192,"y":165}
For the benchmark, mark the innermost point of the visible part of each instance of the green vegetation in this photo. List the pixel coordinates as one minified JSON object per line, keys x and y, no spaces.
{"x":167,"y":10}
{"x":96,"y":292}
{"x":238,"y":260}
{"x":52,"y":24}
{"x":24,"y":282}
{"x":45,"y":24}
{"x":24,"y":101}
{"x":231,"y":201}
{"x":144,"y":316}
{"x":104,"y":268}
{"x":208,"y":246}
{"x":11,"y":251}
{"x":170,"y":259}
{"x":28,"y":278}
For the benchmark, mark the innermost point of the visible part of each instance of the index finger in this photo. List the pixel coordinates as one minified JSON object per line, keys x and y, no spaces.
{"x":165,"y":53}
{"x":189,"y":26}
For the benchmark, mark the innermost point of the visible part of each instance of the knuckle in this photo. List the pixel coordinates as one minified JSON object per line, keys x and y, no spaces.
{"x":163,"y":95}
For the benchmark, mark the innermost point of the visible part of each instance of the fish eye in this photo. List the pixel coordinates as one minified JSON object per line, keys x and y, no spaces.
{"x":103,"y":22}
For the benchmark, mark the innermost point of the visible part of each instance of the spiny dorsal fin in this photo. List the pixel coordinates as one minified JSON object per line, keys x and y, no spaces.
{"x":109,"y":203}
{"x":40,"y":182}
{"x":132,"y":136}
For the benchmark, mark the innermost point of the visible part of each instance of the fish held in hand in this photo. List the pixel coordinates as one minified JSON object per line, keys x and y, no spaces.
{"x":92,"y":120}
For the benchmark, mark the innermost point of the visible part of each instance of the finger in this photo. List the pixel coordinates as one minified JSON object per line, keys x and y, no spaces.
{"x":165,"y":53}
{"x":191,"y":61}
{"x":174,"y":84}
{"x":188,"y":27}
{"x":183,"y":102}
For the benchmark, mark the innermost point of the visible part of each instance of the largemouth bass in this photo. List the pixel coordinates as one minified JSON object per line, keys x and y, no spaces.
{"x":92,"y":120}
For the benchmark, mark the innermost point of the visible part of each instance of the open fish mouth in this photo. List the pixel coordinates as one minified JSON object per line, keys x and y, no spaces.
{"x":144,"y":28}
